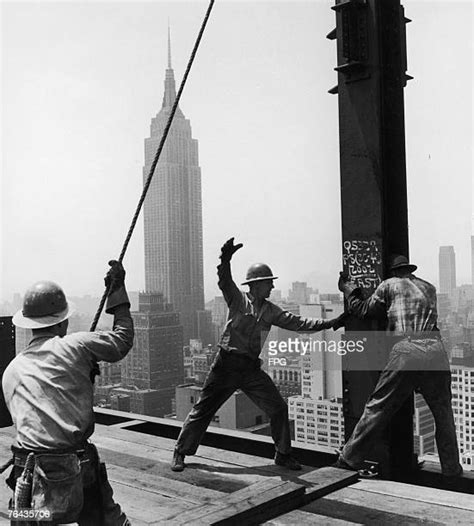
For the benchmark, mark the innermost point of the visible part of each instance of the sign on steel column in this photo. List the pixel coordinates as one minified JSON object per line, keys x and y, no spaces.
{"x":371,"y":73}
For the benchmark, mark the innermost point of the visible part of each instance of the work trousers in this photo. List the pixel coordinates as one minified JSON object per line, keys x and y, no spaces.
{"x":413,"y":364}
{"x":229,"y":373}
{"x":99,"y":507}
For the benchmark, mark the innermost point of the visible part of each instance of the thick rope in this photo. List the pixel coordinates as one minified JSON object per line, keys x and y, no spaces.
{"x":156,"y":158}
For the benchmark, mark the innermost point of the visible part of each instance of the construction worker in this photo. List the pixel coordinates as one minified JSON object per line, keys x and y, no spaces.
{"x":237,"y":365}
{"x":49,"y":393}
{"x":417,"y":360}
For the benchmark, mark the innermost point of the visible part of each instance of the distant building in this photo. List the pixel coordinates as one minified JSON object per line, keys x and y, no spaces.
{"x":219,"y":312}
{"x":462,"y":370}
{"x":238,"y":412}
{"x":205,"y":327}
{"x":423,"y":427}
{"x":447,"y":270}
{"x":173,"y":214}
{"x":201,"y":365}
{"x":276,"y":296}
{"x":318,"y":412}
{"x":299,"y":293}
{"x":154,"y":365}
{"x":287,"y":377}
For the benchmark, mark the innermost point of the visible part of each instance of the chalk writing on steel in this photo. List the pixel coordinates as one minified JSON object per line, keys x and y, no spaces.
{"x":362,"y":260}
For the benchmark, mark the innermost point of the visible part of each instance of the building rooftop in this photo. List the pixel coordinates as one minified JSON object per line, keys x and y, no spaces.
{"x":226,"y":487}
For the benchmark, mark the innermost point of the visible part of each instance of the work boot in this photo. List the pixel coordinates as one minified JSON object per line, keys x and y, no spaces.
{"x":287,"y":461}
{"x":177,"y":464}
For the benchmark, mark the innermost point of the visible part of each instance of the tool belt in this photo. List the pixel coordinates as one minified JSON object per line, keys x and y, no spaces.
{"x":59,"y":479}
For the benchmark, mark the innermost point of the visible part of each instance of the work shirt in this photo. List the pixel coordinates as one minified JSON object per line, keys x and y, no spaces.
{"x":47,"y":387}
{"x":409,"y":304}
{"x":248,"y":325}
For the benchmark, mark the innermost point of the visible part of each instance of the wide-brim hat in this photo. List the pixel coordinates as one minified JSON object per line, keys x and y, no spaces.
{"x":258,"y":272}
{"x":263,"y":278}
{"x":400,"y":261}
{"x":42,"y":322}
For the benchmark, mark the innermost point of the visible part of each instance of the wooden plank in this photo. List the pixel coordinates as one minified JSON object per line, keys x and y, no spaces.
{"x":259,"y":508}
{"x":228,"y":499}
{"x":203,"y":476}
{"x":152,"y":483}
{"x":325,"y":480}
{"x":127,"y":423}
{"x":412,"y":492}
{"x":249,"y":506}
{"x":372,"y":508}
{"x":304,"y":518}
{"x":232,"y":476}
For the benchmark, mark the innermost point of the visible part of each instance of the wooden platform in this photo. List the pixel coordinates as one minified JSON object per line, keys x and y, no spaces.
{"x":222,"y":487}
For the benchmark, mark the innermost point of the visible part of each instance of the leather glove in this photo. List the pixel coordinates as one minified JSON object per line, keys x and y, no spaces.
{"x":229,"y":249}
{"x":115,"y":277}
{"x":345,"y":284}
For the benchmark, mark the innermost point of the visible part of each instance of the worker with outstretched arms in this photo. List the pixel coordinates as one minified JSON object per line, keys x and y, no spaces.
{"x":237,"y":365}
{"x":49,"y":394}
{"x":417,"y":360}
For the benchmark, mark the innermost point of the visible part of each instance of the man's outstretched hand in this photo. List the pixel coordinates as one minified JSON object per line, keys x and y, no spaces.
{"x":229,"y":249}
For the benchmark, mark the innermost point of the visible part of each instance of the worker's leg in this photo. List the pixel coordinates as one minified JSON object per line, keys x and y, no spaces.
{"x":219,"y":386}
{"x":259,"y":387}
{"x":435,"y":386}
{"x":395,"y":384}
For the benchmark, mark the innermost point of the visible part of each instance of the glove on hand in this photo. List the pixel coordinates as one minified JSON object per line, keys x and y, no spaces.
{"x":229,"y":249}
{"x":115,"y":277}
{"x":344,"y":281}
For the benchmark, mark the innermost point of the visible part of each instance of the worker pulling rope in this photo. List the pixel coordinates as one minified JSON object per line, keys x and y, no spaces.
{"x":155,"y":160}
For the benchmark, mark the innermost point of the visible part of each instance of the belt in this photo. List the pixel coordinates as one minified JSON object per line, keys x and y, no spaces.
{"x":20,"y":454}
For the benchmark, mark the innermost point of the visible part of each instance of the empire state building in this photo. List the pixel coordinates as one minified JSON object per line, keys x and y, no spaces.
{"x":173,"y":215}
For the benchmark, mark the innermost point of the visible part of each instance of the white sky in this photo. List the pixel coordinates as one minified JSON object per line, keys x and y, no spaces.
{"x":81,"y":82}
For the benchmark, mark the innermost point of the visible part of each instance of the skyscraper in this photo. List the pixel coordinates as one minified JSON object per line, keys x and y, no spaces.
{"x":447,"y":269}
{"x":173,"y":214}
{"x":154,"y":367}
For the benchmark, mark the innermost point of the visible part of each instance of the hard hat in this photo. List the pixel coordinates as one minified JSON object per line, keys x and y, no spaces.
{"x":258,"y":272}
{"x":44,"y":305}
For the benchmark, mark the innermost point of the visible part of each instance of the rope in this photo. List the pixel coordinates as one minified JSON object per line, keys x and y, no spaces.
{"x":156,"y":158}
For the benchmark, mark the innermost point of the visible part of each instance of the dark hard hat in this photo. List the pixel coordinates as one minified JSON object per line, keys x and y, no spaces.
{"x":398,"y":261}
{"x":258,"y":272}
{"x":44,"y":305}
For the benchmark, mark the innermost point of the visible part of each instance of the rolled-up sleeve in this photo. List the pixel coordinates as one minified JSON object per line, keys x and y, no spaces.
{"x":112,"y":346}
{"x":230,"y":291}
{"x":372,"y":307}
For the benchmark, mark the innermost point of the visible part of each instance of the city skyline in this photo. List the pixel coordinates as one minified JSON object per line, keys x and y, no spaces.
{"x":253,"y":102}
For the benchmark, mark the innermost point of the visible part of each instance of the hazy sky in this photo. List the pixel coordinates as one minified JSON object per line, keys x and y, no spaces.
{"x":82,"y":80}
